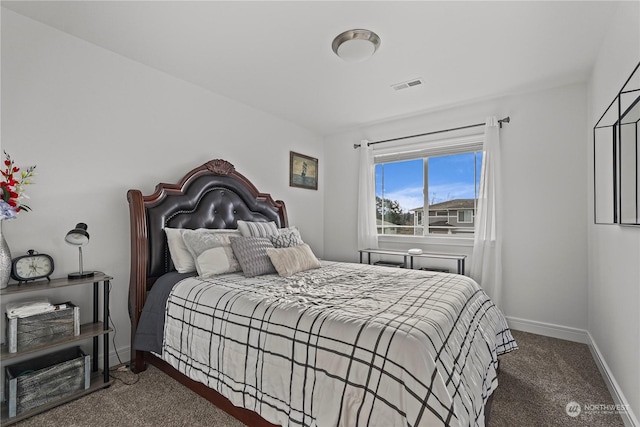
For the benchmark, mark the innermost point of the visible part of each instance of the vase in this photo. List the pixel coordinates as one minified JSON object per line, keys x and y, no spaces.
{"x":5,"y":260}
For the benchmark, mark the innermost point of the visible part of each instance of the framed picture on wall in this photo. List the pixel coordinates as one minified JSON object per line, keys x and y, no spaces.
{"x":303,"y":171}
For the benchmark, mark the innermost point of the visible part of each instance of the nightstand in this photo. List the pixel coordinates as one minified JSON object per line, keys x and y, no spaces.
{"x":93,"y":330}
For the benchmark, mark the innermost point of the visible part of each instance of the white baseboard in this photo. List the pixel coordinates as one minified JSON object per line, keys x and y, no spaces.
{"x":549,"y":330}
{"x":628,"y":417}
{"x":583,"y":337}
{"x":123,"y":352}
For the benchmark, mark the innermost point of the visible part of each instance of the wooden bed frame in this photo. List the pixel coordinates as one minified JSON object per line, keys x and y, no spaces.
{"x":213,"y":195}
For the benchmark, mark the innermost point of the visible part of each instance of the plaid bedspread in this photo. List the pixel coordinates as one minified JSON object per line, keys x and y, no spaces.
{"x":343,"y":345}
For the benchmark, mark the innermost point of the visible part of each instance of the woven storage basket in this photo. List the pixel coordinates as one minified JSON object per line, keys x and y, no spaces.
{"x":41,"y":329}
{"x":46,"y":378}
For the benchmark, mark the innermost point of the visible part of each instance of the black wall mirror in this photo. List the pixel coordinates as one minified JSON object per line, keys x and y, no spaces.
{"x":617,"y":158}
{"x":605,"y":179}
{"x":629,"y":156}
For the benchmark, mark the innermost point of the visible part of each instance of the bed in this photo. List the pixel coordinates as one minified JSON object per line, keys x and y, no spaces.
{"x":325,"y":343}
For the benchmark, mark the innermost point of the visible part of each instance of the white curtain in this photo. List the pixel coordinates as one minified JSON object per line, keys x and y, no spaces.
{"x":367,"y":230}
{"x":486,"y":261}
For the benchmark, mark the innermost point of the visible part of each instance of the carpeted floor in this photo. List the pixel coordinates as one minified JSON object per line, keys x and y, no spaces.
{"x":536,"y":383}
{"x":539,"y":380}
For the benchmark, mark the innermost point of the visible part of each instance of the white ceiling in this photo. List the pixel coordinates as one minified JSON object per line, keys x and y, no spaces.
{"x":277,"y":57}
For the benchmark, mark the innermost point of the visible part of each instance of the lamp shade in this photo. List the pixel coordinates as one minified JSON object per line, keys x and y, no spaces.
{"x":78,"y":236}
{"x":356,"y":45}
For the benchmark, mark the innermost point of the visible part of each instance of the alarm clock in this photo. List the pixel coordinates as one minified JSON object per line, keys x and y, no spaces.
{"x":32,"y":266}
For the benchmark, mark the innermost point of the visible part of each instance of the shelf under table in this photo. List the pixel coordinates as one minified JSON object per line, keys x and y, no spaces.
{"x":88,"y":330}
{"x":97,"y":383}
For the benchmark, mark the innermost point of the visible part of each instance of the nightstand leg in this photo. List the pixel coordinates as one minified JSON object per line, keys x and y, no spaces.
{"x":94,"y":362}
{"x":105,"y":316}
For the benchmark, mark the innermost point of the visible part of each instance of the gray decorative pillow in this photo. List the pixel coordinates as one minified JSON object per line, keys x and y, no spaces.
{"x":286,"y":238}
{"x":295,"y":259}
{"x":287,"y":229}
{"x":257,"y":229}
{"x":211,"y":250}
{"x":251,"y":253}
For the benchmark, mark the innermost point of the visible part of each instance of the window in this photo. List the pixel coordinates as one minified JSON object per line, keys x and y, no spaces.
{"x":465,"y":215}
{"x":438,"y":179}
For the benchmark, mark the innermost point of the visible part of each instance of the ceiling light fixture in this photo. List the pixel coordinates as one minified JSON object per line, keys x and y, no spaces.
{"x":356,"y":45}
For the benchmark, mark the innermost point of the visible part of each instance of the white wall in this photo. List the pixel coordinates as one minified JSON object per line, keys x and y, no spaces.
{"x":614,"y":252}
{"x":97,"y":124}
{"x":563,"y":276}
{"x":544,"y":252}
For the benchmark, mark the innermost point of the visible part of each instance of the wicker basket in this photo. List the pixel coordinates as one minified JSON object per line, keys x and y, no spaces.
{"x":46,"y":378}
{"x":41,"y":329}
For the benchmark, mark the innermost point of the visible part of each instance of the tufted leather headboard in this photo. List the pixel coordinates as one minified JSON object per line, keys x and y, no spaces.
{"x":213,"y":195}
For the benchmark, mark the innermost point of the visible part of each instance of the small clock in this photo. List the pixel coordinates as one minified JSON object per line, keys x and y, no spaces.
{"x":32,"y":266}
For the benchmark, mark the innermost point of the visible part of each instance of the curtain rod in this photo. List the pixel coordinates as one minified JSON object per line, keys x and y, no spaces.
{"x":505,"y":120}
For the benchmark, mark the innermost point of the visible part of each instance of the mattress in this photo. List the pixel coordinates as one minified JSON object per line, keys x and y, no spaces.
{"x":343,"y":345}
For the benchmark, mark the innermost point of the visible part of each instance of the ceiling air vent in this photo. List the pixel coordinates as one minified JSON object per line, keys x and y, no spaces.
{"x":406,"y":85}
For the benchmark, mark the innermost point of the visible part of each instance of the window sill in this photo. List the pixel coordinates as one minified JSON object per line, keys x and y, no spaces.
{"x":413,"y":241}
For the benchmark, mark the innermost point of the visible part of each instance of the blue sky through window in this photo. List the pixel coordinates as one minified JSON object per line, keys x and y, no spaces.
{"x":450,"y":177}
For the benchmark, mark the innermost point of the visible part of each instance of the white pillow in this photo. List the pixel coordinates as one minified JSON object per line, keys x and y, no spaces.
{"x":214,"y":261}
{"x":210,"y":250}
{"x":180,"y":255}
{"x":294,"y":259}
{"x":257,"y":229}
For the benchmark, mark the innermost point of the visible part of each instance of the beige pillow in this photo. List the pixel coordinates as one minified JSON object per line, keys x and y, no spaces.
{"x":294,"y":259}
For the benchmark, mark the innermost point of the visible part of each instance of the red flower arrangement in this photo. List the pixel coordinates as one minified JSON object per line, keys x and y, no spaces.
{"x":12,"y":188}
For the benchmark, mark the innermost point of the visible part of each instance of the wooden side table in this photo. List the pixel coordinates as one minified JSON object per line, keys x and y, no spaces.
{"x":93,"y":330}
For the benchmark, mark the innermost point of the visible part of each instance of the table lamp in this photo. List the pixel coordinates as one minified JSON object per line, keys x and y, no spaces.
{"x":79,"y":237}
